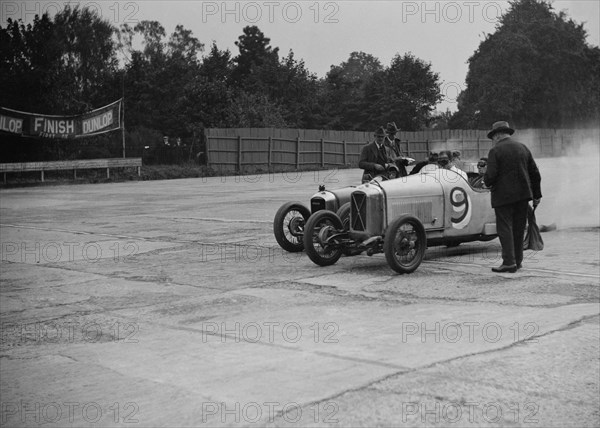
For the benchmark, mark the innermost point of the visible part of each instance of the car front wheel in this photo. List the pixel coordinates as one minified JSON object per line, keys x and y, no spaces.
{"x":319,"y":240}
{"x":404,"y":244}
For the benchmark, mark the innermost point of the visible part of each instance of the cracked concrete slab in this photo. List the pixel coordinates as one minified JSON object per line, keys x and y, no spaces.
{"x":169,"y":335}
{"x":490,"y":389}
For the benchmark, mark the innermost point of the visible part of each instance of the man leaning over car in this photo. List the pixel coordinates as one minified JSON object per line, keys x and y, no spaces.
{"x":514,"y":179}
{"x":374,"y":157}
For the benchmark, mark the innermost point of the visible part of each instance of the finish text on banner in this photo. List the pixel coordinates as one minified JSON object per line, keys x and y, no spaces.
{"x":104,"y":119}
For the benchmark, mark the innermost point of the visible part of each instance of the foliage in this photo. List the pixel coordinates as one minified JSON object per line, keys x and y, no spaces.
{"x":251,"y":110}
{"x":160,"y":81}
{"x":78,"y":62}
{"x":254,"y":52}
{"x":346,"y":87}
{"x":536,"y":70}
{"x":67,"y":65}
{"x":405,"y":92}
{"x":362,"y":94}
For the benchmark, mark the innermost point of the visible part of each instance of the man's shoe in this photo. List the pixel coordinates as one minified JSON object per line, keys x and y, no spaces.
{"x":505,"y":268}
{"x":519,"y":266}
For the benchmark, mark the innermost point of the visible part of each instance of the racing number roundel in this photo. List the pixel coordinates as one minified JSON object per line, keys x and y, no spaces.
{"x":461,"y":207}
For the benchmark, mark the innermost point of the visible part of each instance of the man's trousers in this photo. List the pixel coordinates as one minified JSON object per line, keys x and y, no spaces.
{"x":510,"y":225}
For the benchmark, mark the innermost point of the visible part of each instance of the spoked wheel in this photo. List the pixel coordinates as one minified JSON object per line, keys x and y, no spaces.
{"x":318,"y":242}
{"x":288,"y":226}
{"x":404,"y":244}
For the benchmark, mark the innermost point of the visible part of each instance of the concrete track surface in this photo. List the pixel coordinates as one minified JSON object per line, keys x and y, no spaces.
{"x":169,"y":303}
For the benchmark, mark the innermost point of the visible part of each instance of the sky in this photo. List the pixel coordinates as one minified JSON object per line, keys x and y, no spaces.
{"x":324,"y":33}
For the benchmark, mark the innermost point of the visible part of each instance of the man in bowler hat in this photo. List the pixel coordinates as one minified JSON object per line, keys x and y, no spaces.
{"x":374,"y":157}
{"x":514,"y":179}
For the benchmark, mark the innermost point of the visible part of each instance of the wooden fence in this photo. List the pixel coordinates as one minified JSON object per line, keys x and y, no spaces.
{"x":251,"y":150}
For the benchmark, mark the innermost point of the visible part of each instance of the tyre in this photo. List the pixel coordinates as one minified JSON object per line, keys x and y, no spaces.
{"x":319,"y":228}
{"x":344,"y":214}
{"x":404,"y":244}
{"x":288,"y":226}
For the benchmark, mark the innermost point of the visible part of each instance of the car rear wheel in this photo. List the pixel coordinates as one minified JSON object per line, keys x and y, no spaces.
{"x":288,"y":226}
{"x":404,"y":244}
{"x":317,"y":233}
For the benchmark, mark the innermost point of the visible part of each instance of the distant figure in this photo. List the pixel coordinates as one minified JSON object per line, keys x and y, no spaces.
{"x":164,"y":152}
{"x":393,"y":144}
{"x":478,"y":182}
{"x":455,"y":160}
{"x":514,"y":178}
{"x":178,"y":151}
{"x":374,"y":157}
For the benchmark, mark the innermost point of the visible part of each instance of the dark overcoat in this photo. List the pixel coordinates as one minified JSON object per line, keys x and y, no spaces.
{"x":395,"y":152}
{"x":512,"y":174}
{"x":371,"y":156}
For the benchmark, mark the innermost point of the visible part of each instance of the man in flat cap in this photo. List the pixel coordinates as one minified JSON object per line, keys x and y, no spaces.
{"x":514,"y":179}
{"x":374,"y":157}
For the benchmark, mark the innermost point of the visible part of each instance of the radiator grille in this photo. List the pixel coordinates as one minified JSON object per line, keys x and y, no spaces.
{"x":358,"y":211}
{"x":317,"y":204}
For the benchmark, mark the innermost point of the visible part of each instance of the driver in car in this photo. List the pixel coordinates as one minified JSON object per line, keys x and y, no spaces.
{"x":444,"y":161}
{"x":478,"y":182}
{"x":374,"y":157}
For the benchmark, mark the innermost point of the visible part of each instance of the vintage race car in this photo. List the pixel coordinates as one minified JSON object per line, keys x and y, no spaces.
{"x":291,"y":217}
{"x":401,"y":218}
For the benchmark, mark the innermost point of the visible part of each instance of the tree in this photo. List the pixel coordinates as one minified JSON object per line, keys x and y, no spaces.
{"x":184,"y":47}
{"x":290,"y":87}
{"x":212,"y":89}
{"x":67,"y":65}
{"x":152,"y":33}
{"x":362,"y":94}
{"x":346,"y":89}
{"x":406,"y":92}
{"x":254,"y":51}
{"x":160,"y":79}
{"x":284,"y":90}
{"x":28,"y":64}
{"x":217,"y":66}
{"x":88,"y":62}
{"x":536,"y":70}
{"x":298,"y":91}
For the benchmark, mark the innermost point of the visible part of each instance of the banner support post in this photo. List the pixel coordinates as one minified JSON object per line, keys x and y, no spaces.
{"x":123,"y":107}
{"x":123,"y":128}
